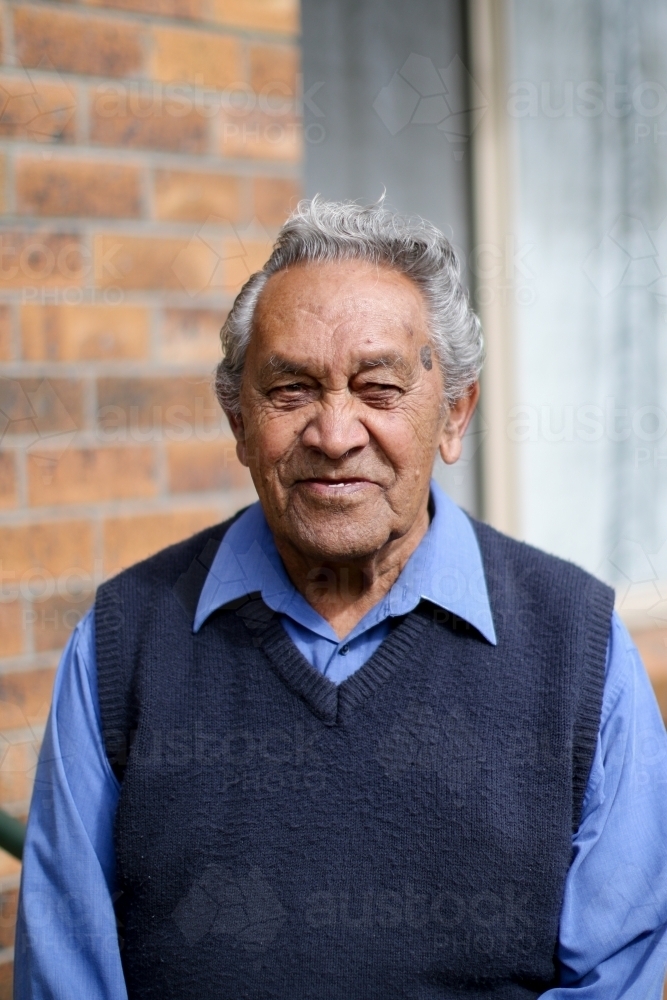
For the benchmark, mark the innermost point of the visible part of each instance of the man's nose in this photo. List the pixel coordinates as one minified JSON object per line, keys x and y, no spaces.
{"x":336,"y":428}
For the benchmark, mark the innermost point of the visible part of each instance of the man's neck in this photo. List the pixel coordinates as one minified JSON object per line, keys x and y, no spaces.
{"x":342,"y":593}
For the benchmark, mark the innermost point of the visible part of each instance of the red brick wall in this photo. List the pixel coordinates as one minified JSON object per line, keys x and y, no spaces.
{"x":149,"y":149}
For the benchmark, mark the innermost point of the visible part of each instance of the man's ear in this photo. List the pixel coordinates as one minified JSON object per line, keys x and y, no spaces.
{"x":238,"y":430}
{"x":459,"y":415}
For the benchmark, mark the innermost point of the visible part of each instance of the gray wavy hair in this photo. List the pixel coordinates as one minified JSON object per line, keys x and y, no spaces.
{"x":323,"y":231}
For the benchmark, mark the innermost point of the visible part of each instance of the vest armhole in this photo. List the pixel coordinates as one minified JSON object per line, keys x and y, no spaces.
{"x":599,"y":605}
{"x":114,"y":673}
{"x":121,"y":607}
{"x":596,"y":604}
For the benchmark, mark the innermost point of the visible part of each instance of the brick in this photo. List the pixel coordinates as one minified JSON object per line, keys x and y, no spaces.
{"x":274,"y":198}
{"x":273,"y":74}
{"x":25,"y":698}
{"x":87,"y":475}
{"x":53,"y":621}
{"x":256,"y":135}
{"x":199,"y":57}
{"x":195,"y":466}
{"x":9,"y":866}
{"x":136,"y":262}
{"x":12,"y":632}
{"x":76,"y":44}
{"x":17,"y":770}
{"x":191,"y":335}
{"x":7,"y":968}
{"x":35,"y":110}
{"x":3,"y":175}
{"x":262,"y":15}
{"x":7,"y":479}
{"x":660,"y":691}
{"x":84,"y":333}
{"x":39,"y":406}
{"x":239,"y":269}
{"x":57,"y":547}
{"x":652,"y":646}
{"x":7,"y":972}
{"x":185,"y":195}
{"x":142,"y":409}
{"x":75,"y":188}
{"x":8,"y":911}
{"x":127,"y":540}
{"x":6,"y":351}
{"x":125,"y":116}
{"x":40,"y":260}
{"x":8,"y":907}
{"x":163,"y":8}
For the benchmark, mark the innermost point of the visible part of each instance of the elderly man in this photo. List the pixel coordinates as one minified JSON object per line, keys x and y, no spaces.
{"x":350,"y":744}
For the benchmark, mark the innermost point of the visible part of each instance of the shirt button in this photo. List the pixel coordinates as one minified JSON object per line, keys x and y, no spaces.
{"x":344,"y":650}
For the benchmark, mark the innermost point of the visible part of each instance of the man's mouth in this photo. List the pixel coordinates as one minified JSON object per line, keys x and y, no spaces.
{"x":325,"y":486}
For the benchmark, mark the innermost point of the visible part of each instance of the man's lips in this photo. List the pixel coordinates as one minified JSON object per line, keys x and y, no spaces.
{"x":329,"y":486}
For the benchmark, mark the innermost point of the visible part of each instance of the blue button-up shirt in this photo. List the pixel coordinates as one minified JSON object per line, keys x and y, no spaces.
{"x":612,"y":941}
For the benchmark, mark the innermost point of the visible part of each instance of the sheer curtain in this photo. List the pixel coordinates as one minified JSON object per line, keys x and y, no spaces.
{"x":587,"y":99}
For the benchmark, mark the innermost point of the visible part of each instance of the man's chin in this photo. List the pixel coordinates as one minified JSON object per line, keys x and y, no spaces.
{"x":337,"y":538}
{"x":330,"y":552}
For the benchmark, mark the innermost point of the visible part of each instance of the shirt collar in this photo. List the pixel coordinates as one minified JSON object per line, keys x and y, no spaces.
{"x":445,"y":569}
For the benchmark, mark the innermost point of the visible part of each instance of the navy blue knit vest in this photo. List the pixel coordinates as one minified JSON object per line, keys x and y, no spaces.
{"x":404,"y":835}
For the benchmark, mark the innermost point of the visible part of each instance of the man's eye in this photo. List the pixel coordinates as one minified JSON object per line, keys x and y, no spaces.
{"x":292,"y":387}
{"x":379,"y":393}
{"x":293,"y":393}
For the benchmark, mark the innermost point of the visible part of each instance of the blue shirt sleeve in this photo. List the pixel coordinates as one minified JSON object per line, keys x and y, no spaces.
{"x":612,"y":940}
{"x":66,"y":940}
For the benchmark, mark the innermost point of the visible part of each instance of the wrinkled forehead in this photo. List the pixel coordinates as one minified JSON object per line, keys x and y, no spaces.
{"x":349,"y":306}
{"x":278,"y":365}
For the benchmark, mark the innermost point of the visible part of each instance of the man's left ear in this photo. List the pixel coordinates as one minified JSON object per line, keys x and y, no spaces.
{"x":238,"y":430}
{"x":459,"y":415}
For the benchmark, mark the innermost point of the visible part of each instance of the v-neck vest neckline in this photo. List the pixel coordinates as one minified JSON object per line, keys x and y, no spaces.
{"x":329,"y":701}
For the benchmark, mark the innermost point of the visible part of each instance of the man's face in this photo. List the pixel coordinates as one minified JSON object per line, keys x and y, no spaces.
{"x":341,"y":408}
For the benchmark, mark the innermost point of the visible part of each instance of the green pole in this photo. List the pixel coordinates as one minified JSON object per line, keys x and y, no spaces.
{"x":12,"y":835}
